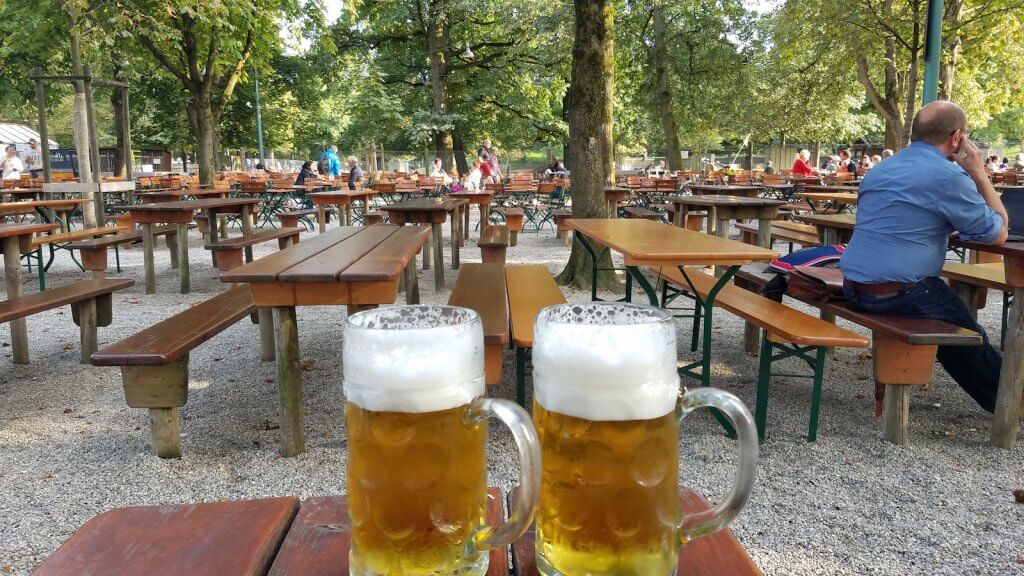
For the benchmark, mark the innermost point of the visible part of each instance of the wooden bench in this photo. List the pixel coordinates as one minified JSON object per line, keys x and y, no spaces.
{"x":903,"y":352}
{"x":154,"y":362}
{"x":290,"y":218}
{"x":229,"y":252}
{"x":481,"y":287}
{"x":373,"y":217}
{"x":694,"y":219}
{"x":787,"y":332}
{"x":91,"y":306}
{"x":562,"y":230}
{"x":972,"y":282}
{"x":530,"y":289}
{"x":643,"y":213}
{"x":786,"y":232}
{"x":515,"y":220}
{"x":94,"y":251}
{"x":493,"y":243}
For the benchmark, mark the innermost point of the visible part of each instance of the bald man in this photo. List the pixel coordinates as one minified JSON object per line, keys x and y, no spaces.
{"x":906,"y":209}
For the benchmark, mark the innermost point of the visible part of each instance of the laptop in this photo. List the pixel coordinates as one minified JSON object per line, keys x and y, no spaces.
{"x":1013,"y":201}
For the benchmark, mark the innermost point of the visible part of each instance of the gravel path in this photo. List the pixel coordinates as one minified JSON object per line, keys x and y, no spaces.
{"x":848,"y":504}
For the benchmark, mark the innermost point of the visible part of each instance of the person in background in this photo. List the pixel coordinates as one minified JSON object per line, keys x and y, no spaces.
{"x":485,"y":148}
{"x":474,"y":182}
{"x":865,"y":163}
{"x":261,"y":167}
{"x":891,"y":268}
{"x":1005,"y":164}
{"x":355,"y":174}
{"x":329,"y":164}
{"x":492,"y":159}
{"x":768,"y":168}
{"x":486,"y":173}
{"x":887,"y":153}
{"x":437,"y":171}
{"x":846,"y":164}
{"x":224,"y":168}
{"x":1019,"y":164}
{"x":800,"y":165}
{"x":33,"y":158}
{"x":305,"y":173}
{"x":557,"y":168}
{"x":11,"y":166}
{"x":993,"y":163}
{"x":875,"y":159}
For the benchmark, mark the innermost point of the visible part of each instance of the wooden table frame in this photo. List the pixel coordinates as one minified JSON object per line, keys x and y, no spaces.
{"x":433,"y":211}
{"x":741,"y":190}
{"x":17,"y":240}
{"x":612,"y":196}
{"x":343,"y":199}
{"x":483,"y":200}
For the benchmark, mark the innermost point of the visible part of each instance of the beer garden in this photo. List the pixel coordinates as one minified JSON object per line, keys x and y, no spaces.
{"x":409,"y":369}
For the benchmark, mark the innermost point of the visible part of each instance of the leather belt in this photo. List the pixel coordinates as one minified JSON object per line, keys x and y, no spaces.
{"x":883,"y":289}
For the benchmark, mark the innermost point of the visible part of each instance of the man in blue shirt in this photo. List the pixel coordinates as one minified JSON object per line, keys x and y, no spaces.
{"x":330,"y":162}
{"x":907,"y":207}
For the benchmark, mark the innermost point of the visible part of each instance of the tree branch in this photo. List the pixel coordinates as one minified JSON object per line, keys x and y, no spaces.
{"x":166,"y":63}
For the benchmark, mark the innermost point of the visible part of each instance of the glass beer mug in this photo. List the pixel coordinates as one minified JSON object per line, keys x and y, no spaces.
{"x":417,"y":430}
{"x":607,"y":409}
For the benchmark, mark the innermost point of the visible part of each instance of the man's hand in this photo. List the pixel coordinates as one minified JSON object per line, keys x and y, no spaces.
{"x":972,"y":160}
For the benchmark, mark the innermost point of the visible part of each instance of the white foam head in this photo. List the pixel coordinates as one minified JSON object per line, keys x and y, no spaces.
{"x":413,"y":358}
{"x":605,"y":361}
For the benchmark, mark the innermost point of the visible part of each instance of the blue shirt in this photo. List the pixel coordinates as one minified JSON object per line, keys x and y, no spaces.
{"x":906,"y":209}
{"x":333,"y":163}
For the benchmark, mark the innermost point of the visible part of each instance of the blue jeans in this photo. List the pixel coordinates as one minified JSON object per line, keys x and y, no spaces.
{"x":974,"y":368}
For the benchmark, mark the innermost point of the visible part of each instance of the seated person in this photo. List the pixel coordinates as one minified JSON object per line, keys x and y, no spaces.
{"x":305,"y":172}
{"x":800,"y":165}
{"x":437,"y":171}
{"x":907,"y":207}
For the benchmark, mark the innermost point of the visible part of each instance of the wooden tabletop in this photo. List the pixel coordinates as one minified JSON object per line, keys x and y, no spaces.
{"x":179,"y":193}
{"x":8,"y":230}
{"x":340,"y":195}
{"x":192,"y":205}
{"x":837,"y":197}
{"x":724,"y":188}
{"x":425,"y":205}
{"x":31,"y":204}
{"x":724,"y":200}
{"x":648,"y":243}
{"x":840,"y":221}
{"x":829,"y":188}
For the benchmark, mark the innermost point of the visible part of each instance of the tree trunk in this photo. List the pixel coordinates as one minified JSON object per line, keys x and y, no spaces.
{"x":663,"y":90}
{"x":117,"y":103}
{"x":200,"y":116}
{"x":951,"y":47}
{"x":590,"y":130}
{"x":461,"y":164}
{"x":437,"y":46}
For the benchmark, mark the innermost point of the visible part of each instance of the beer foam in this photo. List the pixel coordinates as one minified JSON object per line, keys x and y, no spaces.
{"x":605,"y":361}
{"x":413,"y":358}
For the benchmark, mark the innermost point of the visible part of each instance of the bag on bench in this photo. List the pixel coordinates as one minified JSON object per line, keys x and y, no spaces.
{"x":810,"y":257}
{"x":816,"y":283}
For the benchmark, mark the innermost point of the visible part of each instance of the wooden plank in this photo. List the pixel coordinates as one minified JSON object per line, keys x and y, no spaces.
{"x":481,"y":287}
{"x":8,"y":230}
{"x":254,"y":238}
{"x":268,"y":268}
{"x":216,"y":539}
{"x":56,"y":297}
{"x":918,"y":331}
{"x":174,"y":337}
{"x":328,"y":264}
{"x":530,"y":289}
{"x":389,"y":258}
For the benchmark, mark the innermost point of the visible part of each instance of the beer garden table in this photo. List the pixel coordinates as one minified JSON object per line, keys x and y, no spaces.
{"x":822,"y":202}
{"x":63,"y":207}
{"x":721,"y":209}
{"x":612,"y":196}
{"x":289,"y":537}
{"x":832,"y":228}
{"x":181,"y":215}
{"x":432,"y":211}
{"x":169,"y":195}
{"x":343,"y":199}
{"x":655,"y":245}
{"x":747,"y":190}
{"x":481,"y":199}
{"x":356,"y":266}
{"x":17,"y":240}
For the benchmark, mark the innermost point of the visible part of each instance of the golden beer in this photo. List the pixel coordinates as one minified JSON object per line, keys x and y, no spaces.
{"x":417,"y":489}
{"x":609,"y":498}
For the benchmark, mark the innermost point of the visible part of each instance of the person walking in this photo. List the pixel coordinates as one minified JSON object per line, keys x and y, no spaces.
{"x":329,"y":164}
{"x":11,"y":167}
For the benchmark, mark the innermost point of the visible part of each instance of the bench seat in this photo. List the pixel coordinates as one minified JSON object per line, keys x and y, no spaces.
{"x":530,"y":288}
{"x":91,"y":306}
{"x":493,"y":243}
{"x":154,"y":362}
{"x":562,"y":230}
{"x":642,"y":213}
{"x":481,"y":287}
{"x":290,"y":218}
{"x":515,"y":219}
{"x":66,"y":237}
{"x":229,"y":251}
{"x":94,"y":250}
{"x":748,"y":234}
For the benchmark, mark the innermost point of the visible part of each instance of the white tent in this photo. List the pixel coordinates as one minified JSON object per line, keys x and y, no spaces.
{"x":18,"y":134}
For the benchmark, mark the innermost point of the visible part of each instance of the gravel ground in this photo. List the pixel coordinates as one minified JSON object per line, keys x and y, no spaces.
{"x":849,"y":503}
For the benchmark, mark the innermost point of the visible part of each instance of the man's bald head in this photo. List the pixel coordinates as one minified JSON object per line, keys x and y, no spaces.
{"x":937,"y":121}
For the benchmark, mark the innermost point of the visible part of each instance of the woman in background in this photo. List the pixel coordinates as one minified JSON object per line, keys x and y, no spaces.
{"x":800,"y":165}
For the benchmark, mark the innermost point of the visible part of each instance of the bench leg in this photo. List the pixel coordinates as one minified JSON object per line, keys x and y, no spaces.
{"x":266,"y":323}
{"x":968,"y":294}
{"x":1010,"y":396}
{"x":289,"y":381}
{"x":897,"y":413}
{"x":492,"y":363}
{"x":897,"y":367}
{"x":412,"y":285}
{"x":819,"y":375}
{"x":183,"y":268}
{"x":521,"y":376}
{"x":87,"y":328}
{"x":764,"y":377}
{"x":228,"y":259}
{"x":95,"y":259}
{"x":172,"y":246}
{"x":161,"y":390}
{"x":147,"y":252}
{"x":438,"y":257}
{"x":426,"y":254}
{"x":457,"y":235}
{"x":165,"y":432}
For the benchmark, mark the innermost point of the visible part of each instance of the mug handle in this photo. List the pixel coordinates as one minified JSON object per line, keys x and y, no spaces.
{"x":704,"y":523}
{"x":521,"y":426}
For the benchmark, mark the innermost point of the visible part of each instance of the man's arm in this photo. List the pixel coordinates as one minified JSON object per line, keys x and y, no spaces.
{"x":974,"y":164}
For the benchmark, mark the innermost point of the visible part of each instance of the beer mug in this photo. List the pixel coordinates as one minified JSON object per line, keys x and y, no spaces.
{"x":417,"y":431}
{"x":607,"y":409}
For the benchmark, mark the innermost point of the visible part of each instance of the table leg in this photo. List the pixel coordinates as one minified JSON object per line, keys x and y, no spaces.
{"x":457,"y":235}
{"x":321,"y":217}
{"x":289,"y":380}
{"x":465,"y":220}
{"x":266,"y":323}
{"x":12,"y":277}
{"x":831,"y":237}
{"x":87,"y":328}
{"x":222,"y":225}
{"x":722,"y":231}
{"x":412,"y":285}
{"x":751,"y":333}
{"x":348,"y":214}
{"x":438,"y":257}
{"x":426,"y":254}
{"x":247,"y":226}
{"x":679,"y":216}
{"x":183,"y":267}
{"x":147,"y":252}
{"x":1005,"y":418}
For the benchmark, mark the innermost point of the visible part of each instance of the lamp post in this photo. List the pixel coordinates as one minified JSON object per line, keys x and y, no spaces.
{"x":259,"y":117}
{"x":932,"y":51}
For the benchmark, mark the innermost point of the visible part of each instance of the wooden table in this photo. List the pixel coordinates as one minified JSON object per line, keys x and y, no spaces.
{"x":832,"y":228}
{"x":63,"y":206}
{"x":612,"y":196}
{"x":745,"y":190}
{"x":354,"y":266}
{"x":169,"y":195}
{"x":343,"y":199}
{"x":722,"y":209}
{"x":286,"y":537}
{"x":433,"y":211}
{"x":822,"y":202}
{"x":655,"y":245}
{"x":17,"y":240}
{"x":181,"y":214}
{"x":482,"y":200}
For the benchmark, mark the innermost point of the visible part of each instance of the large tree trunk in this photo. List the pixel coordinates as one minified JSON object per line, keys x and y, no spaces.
{"x":461,"y":164}
{"x":951,"y":47}
{"x":663,"y":90}
{"x":201,"y":117}
{"x":437,"y":45}
{"x":590,"y":130}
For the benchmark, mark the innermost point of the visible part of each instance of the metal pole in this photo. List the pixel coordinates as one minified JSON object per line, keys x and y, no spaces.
{"x":259,"y":117}
{"x":932,"y":51}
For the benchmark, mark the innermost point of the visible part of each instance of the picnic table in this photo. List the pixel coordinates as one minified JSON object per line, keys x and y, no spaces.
{"x":655,"y":245}
{"x":181,"y":214}
{"x":289,"y":537}
{"x":832,"y":228}
{"x":822,"y":199}
{"x":62,"y":207}
{"x":343,"y":199}
{"x":722,"y":209}
{"x":175,"y":194}
{"x":482,"y":199}
{"x":432,"y":211}
{"x":354,"y":266}
{"x":612,"y":196}
{"x":17,"y":240}
{"x":747,"y":190}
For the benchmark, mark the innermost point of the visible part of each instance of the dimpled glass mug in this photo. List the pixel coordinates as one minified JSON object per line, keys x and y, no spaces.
{"x":607,"y":409}
{"x":417,"y":431}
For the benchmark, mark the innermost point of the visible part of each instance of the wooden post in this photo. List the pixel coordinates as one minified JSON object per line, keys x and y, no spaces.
{"x":435,"y":228}
{"x":1005,"y":418}
{"x":457,"y":235}
{"x":87,"y":328}
{"x":412,"y":285}
{"x":266,"y":321}
{"x":44,"y":140}
{"x":289,"y":381}
{"x":172,"y":247}
{"x":751,"y":333}
{"x":897,"y":413}
{"x":126,"y":138}
{"x":247,"y":225}
{"x":147,"y":253}
{"x":183,"y":267}
{"x":346,"y":213}
{"x":94,"y":148}
{"x":12,"y":275}
{"x":426,"y":254}
{"x":165,"y":432}
{"x":321,"y":217}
